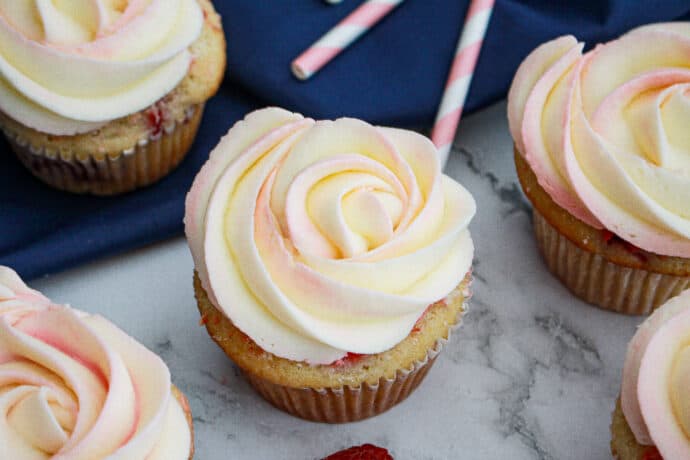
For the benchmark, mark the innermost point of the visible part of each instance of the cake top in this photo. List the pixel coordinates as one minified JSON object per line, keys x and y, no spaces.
{"x":606,"y":134}
{"x":73,"y":385}
{"x":319,"y":238}
{"x":656,"y":378}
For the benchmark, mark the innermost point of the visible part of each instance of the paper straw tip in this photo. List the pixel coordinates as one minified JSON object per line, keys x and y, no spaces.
{"x":300,"y":72}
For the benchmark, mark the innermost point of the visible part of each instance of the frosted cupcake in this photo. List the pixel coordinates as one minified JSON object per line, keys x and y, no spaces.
{"x":332,"y":259}
{"x":104,"y":97}
{"x":652,"y":416}
{"x":602,"y":152}
{"x":74,"y":386}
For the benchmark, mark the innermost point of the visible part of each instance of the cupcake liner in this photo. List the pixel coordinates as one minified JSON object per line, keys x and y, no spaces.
{"x":633,"y":291}
{"x":111,"y":173}
{"x":347,"y":403}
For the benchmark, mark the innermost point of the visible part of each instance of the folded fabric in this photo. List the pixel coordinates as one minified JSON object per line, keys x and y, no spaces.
{"x":394,"y":75}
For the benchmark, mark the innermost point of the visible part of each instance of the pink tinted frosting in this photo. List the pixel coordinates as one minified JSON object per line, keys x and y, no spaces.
{"x":319,"y":238}
{"x":70,"y":66}
{"x":606,"y":132}
{"x":656,"y":378}
{"x":75,"y":387}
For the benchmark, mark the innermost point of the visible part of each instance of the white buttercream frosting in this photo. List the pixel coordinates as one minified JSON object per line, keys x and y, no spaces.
{"x":606,"y":132}
{"x":71,"y":66}
{"x":75,"y":387}
{"x":322,"y":238}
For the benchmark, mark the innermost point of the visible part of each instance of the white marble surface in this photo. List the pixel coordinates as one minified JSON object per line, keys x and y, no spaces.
{"x":532,"y":374}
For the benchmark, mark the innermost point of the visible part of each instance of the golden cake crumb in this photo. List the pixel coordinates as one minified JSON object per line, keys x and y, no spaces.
{"x":434,"y":325}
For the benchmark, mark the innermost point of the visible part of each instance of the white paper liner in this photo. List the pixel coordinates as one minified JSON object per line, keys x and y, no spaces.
{"x":347,"y":403}
{"x":633,"y":291}
{"x":146,"y":162}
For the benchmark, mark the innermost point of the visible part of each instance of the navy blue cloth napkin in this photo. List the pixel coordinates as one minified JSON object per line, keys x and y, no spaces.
{"x":394,"y":75}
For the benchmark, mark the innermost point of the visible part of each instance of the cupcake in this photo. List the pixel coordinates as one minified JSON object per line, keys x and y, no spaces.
{"x":602,"y":152}
{"x":332,"y":260}
{"x":106,"y":97}
{"x":652,"y":416}
{"x":73,"y":385}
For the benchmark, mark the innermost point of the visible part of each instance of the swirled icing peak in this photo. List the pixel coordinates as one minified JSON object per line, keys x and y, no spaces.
{"x":656,"y":378}
{"x":75,"y":387}
{"x":70,"y":66}
{"x":318,"y":238}
{"x":606,"y":132}
{"x":14,"y":294}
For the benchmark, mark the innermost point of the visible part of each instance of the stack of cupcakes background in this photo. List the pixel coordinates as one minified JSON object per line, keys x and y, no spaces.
{"x":73,"y":385}
{"x":106,"y":97}
{"x":603,"y":153}
{"x":332,"y":259}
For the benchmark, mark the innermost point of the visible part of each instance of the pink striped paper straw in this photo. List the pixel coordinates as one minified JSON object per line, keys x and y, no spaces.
{"x":460,"y":76}
{"x":341,"y":36}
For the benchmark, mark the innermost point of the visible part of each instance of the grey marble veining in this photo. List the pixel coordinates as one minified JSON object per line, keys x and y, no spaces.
{"x":532,"y":374}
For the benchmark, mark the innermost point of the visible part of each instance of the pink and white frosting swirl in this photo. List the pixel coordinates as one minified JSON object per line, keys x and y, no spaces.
{"x":656,"y":379}
{"x":318,"y":238}
{"x":606,"y":132}
{"x":75,"y":387}
{"x":71,"y":66}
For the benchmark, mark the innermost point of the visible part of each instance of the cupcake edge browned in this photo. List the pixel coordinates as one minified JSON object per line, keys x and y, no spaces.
{"x":351,"y":389}
{"x":597,"y":266}
{"x":589,"y":238}
{"x":435,"y":324}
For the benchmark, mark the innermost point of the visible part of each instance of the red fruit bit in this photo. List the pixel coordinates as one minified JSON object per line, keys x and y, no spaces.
{"x":154,"y":115}
{"x":353,"y":357}
{"x":203,"y":320}
{"x":610,"y":238}
{"x":363,"y":452}
{"x":350,"y":358}
{"x":652,"y":453}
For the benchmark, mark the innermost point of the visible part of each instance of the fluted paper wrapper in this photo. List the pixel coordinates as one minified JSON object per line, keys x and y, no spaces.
{"x":591,"y":277}
{"x":116,"y":172}
{"x":349,"y":404}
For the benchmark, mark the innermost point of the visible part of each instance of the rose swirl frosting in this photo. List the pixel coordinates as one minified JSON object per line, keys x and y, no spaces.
{"x":73,"y":386}
{"x":656,"y":378}
{"x":606,"y":132}
{"x":322,"y":238}
{"x":71,"y":66}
